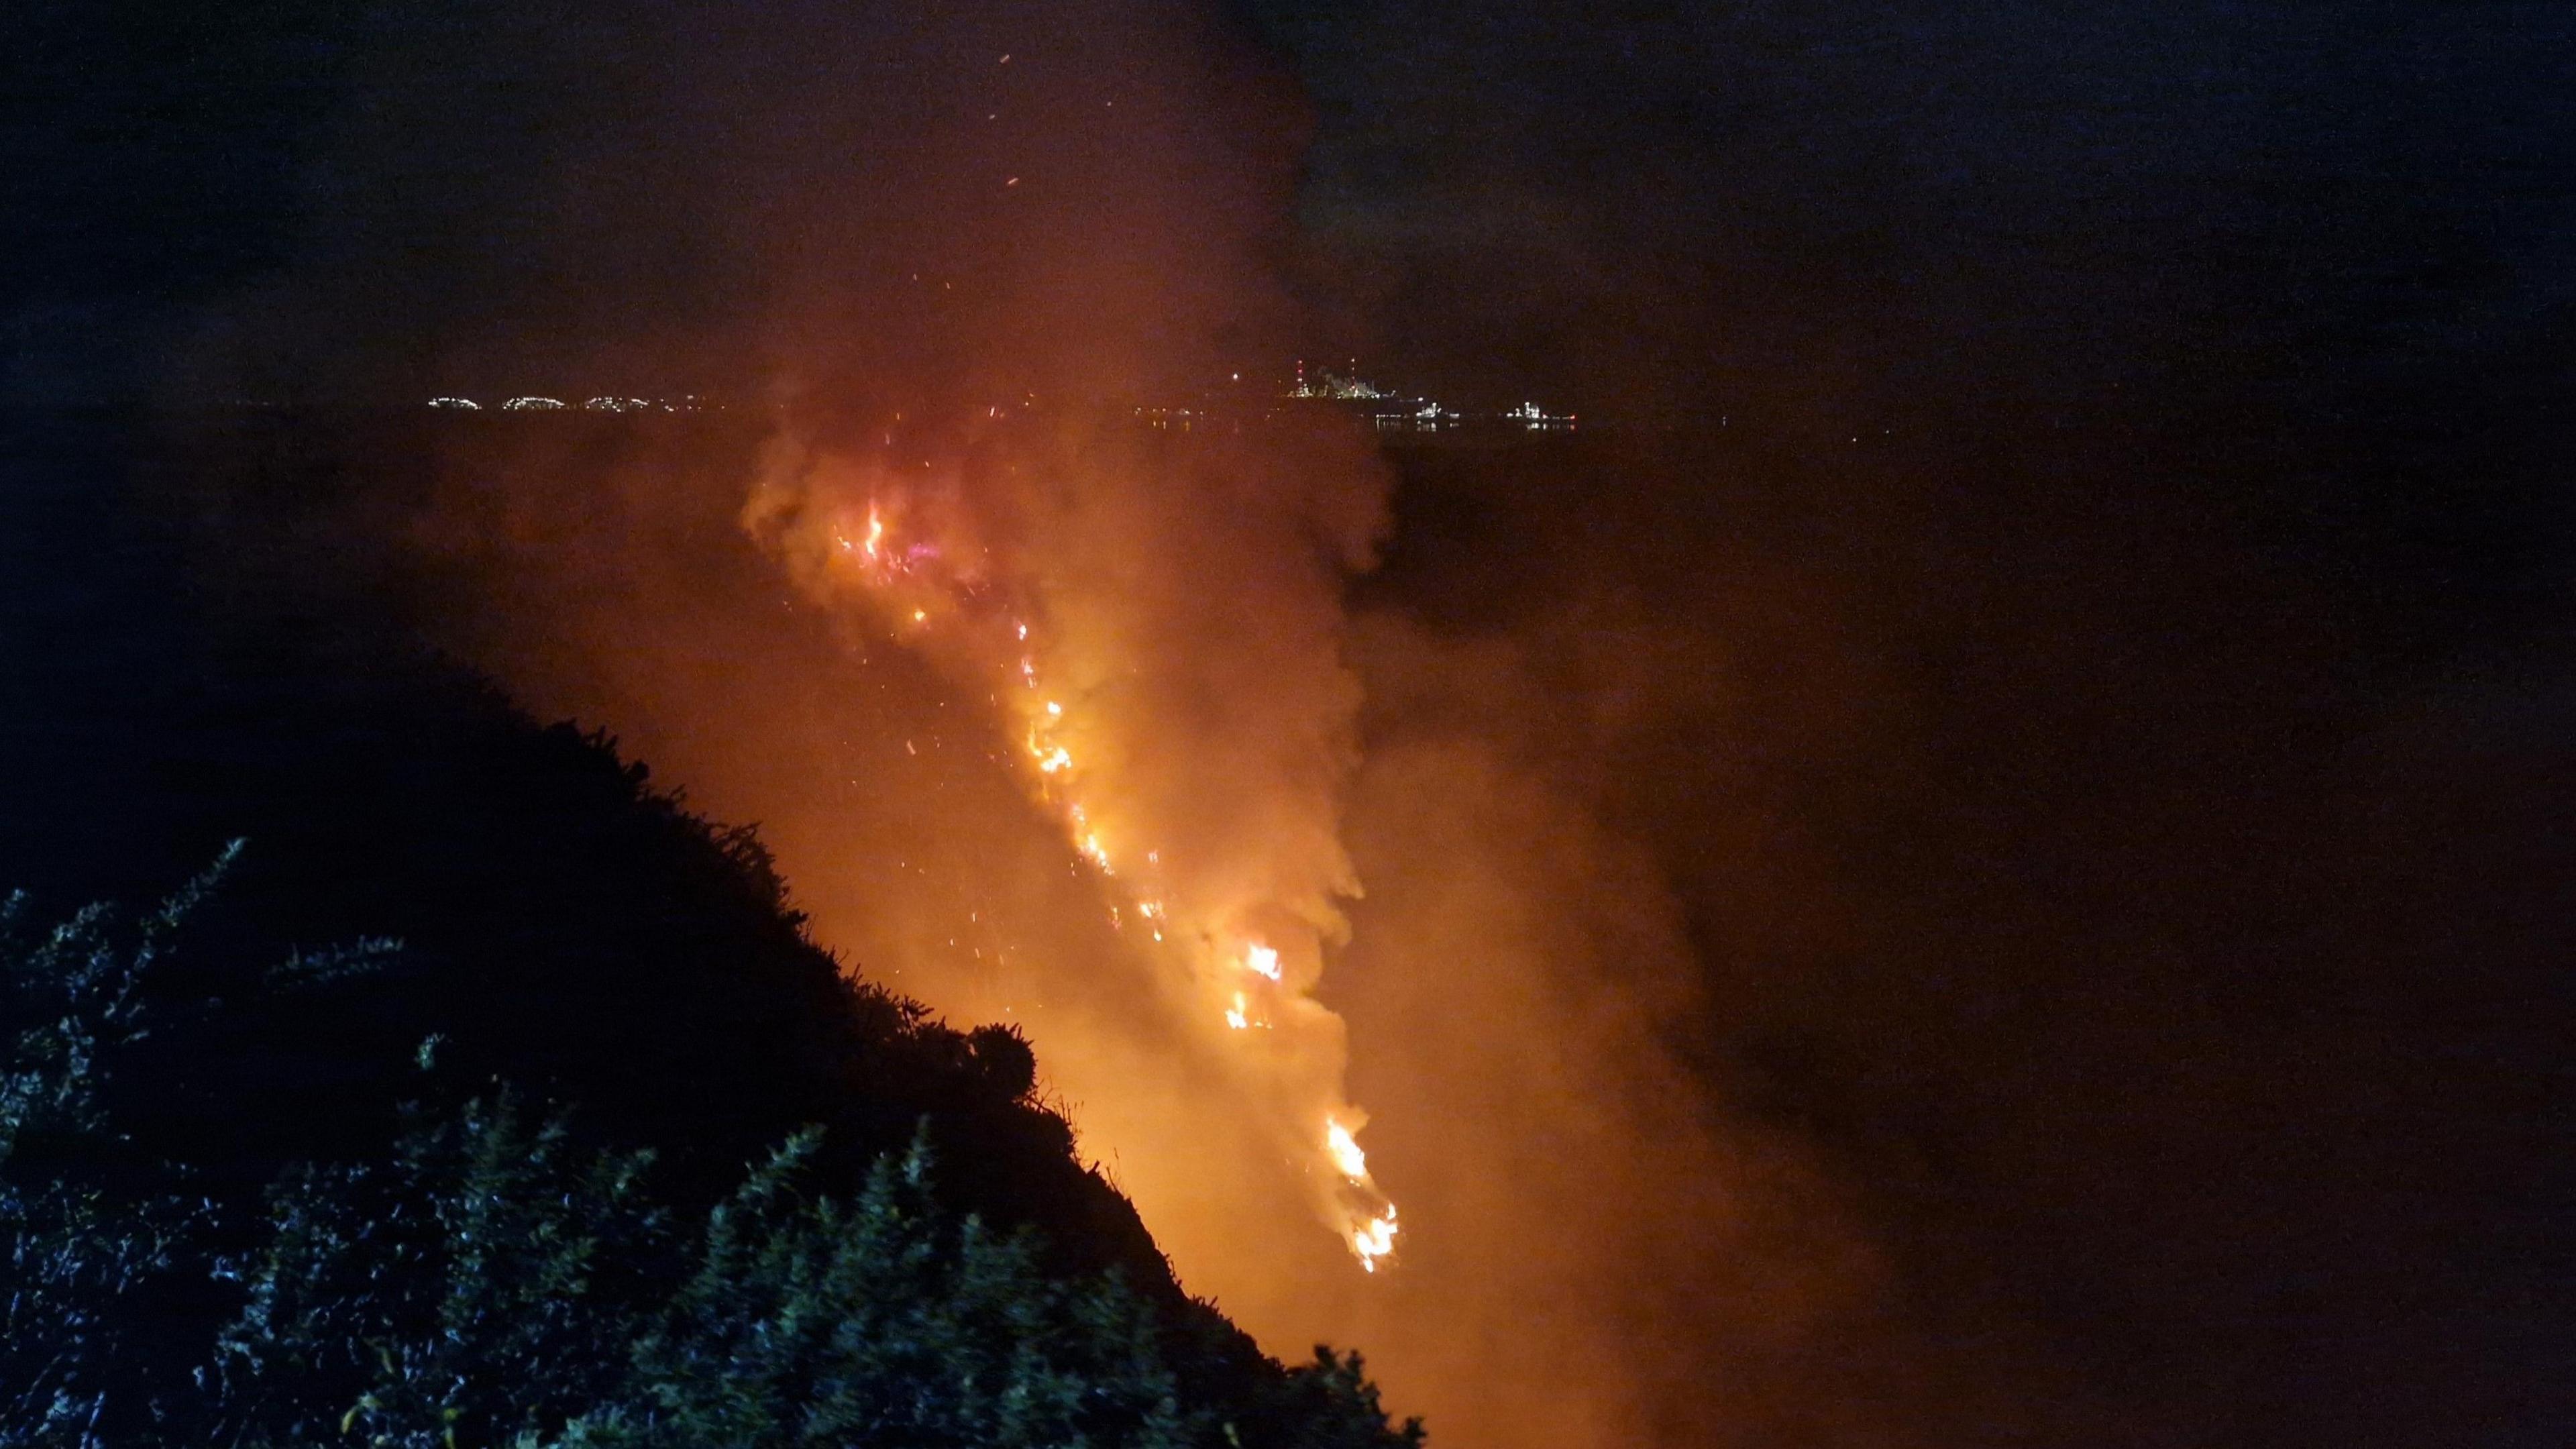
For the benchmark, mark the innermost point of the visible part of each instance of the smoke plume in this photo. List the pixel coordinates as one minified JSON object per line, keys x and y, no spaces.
{"x":1055,"y":717}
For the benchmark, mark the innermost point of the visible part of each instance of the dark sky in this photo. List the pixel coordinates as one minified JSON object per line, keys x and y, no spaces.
{"x":1622,"y":207}
{"x":2210,"y":555}
{"x":1613,"y":201}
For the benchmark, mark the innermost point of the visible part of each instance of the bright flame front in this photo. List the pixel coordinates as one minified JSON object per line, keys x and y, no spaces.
{"x":1247,"y":963}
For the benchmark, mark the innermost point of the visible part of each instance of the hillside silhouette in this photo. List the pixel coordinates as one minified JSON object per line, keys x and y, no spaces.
{"x":525,"y":897}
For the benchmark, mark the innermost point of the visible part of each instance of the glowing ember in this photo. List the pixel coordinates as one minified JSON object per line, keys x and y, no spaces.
{"x":1261,"y":961}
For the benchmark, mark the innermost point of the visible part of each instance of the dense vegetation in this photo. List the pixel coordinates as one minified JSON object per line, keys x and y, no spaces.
{"x":492,"y":1279}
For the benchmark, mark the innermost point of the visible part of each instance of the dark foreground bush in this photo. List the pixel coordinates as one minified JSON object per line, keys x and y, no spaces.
{"x":490,"y":1280}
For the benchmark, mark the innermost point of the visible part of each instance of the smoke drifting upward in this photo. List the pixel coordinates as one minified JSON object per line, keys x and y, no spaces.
{"x":833,"y":206}
{"x":1053,"y":718}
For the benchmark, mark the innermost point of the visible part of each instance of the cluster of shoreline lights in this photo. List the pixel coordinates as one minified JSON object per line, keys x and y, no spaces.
{"x":1388,"y":411}
{"x":688,"y":403}
{"x":1395,"y":414}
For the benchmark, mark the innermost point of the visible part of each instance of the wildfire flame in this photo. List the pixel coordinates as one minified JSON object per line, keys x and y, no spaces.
{"x":1375,"y":1239}
{"x":1345,"y":1151}
{"x":960,"y":615}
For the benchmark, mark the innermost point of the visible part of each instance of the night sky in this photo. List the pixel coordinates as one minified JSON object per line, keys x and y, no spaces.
{"x":1677,"y":201}
{"x":2296,"y":213}
{"x":2119,"y":806}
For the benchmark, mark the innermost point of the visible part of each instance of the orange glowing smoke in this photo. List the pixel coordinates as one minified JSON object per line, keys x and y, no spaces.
{"x":1239,"y":915}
